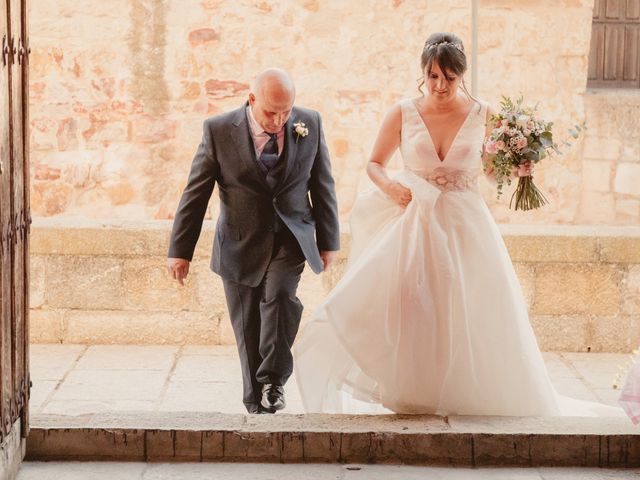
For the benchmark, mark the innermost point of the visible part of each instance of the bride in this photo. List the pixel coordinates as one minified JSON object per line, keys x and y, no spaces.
{"x":429,"y":316}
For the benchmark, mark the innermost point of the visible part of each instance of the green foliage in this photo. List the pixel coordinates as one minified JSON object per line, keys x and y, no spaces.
{"x":519,"y":136}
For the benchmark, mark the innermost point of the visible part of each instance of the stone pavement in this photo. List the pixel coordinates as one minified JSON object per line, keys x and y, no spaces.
{"x":215,"y":471}
{"x":182,"y":404}
{"x":81,"y":379}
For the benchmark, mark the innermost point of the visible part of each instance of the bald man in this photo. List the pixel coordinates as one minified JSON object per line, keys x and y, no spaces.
{"x":277,"y":209}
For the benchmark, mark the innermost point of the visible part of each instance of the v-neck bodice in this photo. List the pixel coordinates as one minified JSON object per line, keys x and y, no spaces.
{"x":419,"y":152}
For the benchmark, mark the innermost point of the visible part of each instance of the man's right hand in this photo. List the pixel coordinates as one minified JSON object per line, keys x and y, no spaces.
{"x":178,"y":268}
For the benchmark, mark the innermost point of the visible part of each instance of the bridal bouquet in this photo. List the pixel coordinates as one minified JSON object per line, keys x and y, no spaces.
{"x":520,"y":136}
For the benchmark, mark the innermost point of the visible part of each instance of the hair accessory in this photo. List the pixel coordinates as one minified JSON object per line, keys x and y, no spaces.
{"x":444,"y":42}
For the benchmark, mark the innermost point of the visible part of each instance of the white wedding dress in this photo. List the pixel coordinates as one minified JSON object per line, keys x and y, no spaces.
{"x":429,"y":316}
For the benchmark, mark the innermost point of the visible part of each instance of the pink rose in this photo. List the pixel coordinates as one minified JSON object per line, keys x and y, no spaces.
{"x":500,"y":145}
{"x":521,"y":143}
{"x":490,"y":147}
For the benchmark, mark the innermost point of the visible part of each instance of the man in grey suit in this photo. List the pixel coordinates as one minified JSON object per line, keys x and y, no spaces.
{"x":277,"y":208}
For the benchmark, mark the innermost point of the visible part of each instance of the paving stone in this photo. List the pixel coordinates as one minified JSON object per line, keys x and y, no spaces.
{"x":83,"y":407}
{"x":222,"y":471}
{"x":258,"y":471}
{"x":91,"y":384}
{"x":575,"y":388}
{"x":218,"y":350}
{"x":111,"y":385}
{"x":210,"y":368}
{"x":40,"y":392}
{"x":587,"y":474}
{"x":194,"y":395}
{"x":128,"y":357}
{"x":607,"y":395}
{"x":81,"y":471}
{"x":52,"y":362}
{"x":394,"y":472}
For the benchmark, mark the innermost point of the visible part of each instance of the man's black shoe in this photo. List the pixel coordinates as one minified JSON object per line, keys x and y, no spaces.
{"x":273,"y":397}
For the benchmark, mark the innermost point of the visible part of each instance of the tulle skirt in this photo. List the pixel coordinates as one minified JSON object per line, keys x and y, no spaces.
{"x":428,"y":318}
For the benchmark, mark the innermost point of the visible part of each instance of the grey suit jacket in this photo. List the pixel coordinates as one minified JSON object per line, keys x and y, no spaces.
{"x":304,"y":199}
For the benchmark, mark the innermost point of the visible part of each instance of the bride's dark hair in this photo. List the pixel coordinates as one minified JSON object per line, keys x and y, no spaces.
{"x":447,"y":50}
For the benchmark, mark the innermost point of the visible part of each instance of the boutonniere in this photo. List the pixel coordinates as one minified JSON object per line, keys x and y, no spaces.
{"x":300,"y":129}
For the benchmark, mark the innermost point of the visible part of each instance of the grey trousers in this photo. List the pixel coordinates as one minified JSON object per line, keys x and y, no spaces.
{"x":265,"y":320}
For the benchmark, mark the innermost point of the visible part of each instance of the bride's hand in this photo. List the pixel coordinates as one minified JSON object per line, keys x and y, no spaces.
{"x":523,"y":170}
{"x":399,"y":193}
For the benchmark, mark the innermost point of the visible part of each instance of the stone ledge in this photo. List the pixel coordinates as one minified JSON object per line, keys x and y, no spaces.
{"x":564,"y":243}
{"x":394,"y":439}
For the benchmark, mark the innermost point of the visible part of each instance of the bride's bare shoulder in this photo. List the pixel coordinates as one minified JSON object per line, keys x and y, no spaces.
{"x":401,"y":107}
{"x":394,"y":114}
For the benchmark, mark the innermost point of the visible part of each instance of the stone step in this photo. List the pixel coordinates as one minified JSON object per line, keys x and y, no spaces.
{"x":314,"y":438}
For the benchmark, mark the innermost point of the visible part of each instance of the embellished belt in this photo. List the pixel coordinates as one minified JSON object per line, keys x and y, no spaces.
{"x":448,"y":179}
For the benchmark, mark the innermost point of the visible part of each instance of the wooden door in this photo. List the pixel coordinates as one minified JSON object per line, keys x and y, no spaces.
{"x":14,"y":218}
{"x":614,"y":59}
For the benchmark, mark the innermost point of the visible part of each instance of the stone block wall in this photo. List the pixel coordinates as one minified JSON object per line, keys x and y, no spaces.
{"x":97,"y":283}
{"x":611,"y":166}
{"x":119,"y":90}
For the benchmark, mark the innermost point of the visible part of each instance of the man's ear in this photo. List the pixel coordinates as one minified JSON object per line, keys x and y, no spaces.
{"x":252,"y":99}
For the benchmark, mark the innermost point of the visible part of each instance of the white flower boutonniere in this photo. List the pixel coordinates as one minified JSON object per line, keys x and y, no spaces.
{"x":300,"y":129}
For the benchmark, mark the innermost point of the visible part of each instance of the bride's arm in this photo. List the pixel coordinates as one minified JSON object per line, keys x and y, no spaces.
{"x":387,"y":142}
{"x":487,"y":158}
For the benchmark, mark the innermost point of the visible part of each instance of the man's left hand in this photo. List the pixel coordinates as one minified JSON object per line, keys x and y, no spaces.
{"x":328,"y":257}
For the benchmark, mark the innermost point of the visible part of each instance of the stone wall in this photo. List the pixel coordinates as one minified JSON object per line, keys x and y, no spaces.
{"x":96,"y":283}
{"x":611,"y":167}
{"x":119,"y":89}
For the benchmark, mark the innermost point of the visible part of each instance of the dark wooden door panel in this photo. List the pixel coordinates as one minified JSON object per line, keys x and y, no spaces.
{"x":14,"y":218}
{"x":23,"y":383}
{"x":596,"y":55}
{"x":614,"y":58}
{"x":6,"y":211}
{"x":630,"y":70}
{"x":633,"y":10}
{"x":18,"y":193}
{"x":612,"y":9}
